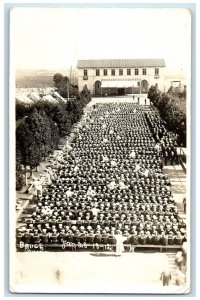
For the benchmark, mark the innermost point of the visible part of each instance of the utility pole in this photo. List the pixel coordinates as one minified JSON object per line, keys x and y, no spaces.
{"x":68,"y":83}
{"x":68,"y":89}
{"x":70,"y":74}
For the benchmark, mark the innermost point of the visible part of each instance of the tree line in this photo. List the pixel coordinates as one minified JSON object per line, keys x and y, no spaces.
{"x":40,"y":126}
{"x":172,"y":108}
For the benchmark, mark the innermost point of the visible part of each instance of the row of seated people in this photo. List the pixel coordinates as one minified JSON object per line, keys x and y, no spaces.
{"x":138,"y":168}
{"x":67,"y":174}
{"x":98,"y":236}
{"x":124,"y":154}
{"x":165,"y":223}
{"x":75,"y":169}
{"x":112,"y":172}
{"x":109,"y":180}
{"x":117,"y":204}
{"x":138,"y":192}
{"x":106,"y":214}
{"x":135,"y":188}
{"x":161,"y":207}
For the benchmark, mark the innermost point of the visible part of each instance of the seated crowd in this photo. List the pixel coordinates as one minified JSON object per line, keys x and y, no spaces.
{"x":111,"y":180}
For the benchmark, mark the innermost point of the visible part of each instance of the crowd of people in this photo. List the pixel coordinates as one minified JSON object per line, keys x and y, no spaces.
{"x":109,"y":182}
{"x":166,"y":148}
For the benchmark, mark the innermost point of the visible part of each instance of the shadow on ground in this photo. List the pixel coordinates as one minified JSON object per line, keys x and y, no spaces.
{"x":102,"y":254}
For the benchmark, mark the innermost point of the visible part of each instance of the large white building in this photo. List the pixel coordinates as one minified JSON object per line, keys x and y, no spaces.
{"x":121,"y":76}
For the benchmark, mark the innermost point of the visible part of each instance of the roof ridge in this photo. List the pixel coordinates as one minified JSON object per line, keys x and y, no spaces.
{"x":123,"y":62}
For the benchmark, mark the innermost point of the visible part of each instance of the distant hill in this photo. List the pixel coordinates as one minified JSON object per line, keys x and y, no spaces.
{"x":35,"y":81}
{"x":39,"y":78}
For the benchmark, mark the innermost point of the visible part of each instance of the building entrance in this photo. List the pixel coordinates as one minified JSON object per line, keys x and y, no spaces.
{"x":97,"y":87}
{"x":144,"y":86}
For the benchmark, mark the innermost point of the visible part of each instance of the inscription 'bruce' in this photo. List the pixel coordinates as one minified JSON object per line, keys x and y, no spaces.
{"x":28,"y":247}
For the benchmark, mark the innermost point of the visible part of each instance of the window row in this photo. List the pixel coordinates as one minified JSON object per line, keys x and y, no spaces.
{"x":121,"y":72}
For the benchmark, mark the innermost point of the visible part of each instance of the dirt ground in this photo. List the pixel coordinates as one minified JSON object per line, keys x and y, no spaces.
{"x":85,"y":272}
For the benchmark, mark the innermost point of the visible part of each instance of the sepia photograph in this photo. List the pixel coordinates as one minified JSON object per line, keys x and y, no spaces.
{"x":100,"y":150}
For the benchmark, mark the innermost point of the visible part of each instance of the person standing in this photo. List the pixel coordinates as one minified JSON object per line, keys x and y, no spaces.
{"x":179,"y":261}
{"x":184,"y":204}
{"x":166,"y":277}
{"x":119,"y":243}
{"x":180,"y":278}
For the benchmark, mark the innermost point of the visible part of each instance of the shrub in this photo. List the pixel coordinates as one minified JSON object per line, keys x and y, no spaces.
{"x":171,"y":111}
{"x":19,"y":181}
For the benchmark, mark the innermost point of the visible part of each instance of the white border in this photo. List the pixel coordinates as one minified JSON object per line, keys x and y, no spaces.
{"x":197,"y":110}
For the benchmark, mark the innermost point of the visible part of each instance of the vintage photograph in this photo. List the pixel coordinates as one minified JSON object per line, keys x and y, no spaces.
{"x":100,"y":105}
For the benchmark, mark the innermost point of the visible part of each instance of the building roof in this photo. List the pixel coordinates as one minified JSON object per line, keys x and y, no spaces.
{"x":120,"y":63}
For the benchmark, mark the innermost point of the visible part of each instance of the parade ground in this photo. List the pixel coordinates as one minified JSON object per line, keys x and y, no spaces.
{"x":96,"y":272}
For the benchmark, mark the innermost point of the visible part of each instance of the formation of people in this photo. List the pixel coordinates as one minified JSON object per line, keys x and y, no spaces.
{"x":108,"y":184}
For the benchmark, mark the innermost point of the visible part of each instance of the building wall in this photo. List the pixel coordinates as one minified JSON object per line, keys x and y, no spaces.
{"x":92,"y":78}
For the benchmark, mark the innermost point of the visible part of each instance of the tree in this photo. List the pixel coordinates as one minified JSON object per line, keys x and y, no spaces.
{"x":57,"y":78}
{"x":154,"y":95}
{"x":19,"y":182}
{"x":22,"y":109}
{"x":35,"y":138}
{"x":65,"y":88}
{"x":28,"y":147}
{"x":19,"y":176}
{"x":62,"y":118}
{"x":178,"y":91}
{"x":171,"y":110}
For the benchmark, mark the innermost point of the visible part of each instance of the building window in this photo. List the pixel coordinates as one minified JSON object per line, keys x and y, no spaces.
{"x":136,"y":71}
{"x":120,"y":72}
{"x":138,"y":83}
{"x":97,"y":72}
{"x":113,"y":72}
{"x":156,"y":71}
{"x":128,"y":71}
{"x":85,"y":75}
{"x":105,"y":72}
{"x":144,"y":71}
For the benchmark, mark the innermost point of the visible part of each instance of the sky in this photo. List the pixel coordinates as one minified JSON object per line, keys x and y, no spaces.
{"x":55,"y":38}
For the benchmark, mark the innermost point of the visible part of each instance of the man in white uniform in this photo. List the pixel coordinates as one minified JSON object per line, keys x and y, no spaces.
{"x":119,"y":243}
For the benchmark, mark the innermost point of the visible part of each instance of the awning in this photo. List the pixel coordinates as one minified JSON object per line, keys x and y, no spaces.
{"x":49,"y":98}
{"x":23,"y":99}
{"x":119,"y":83}
{"x":58,"y":96}
{"x":34,"y":96}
